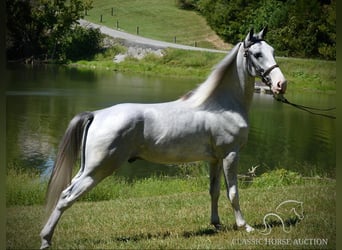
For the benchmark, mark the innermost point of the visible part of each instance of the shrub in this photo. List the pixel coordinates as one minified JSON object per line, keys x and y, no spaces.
{"x":278,"y":177}
{"x":24,"y":188}
{"x":82,"y":43}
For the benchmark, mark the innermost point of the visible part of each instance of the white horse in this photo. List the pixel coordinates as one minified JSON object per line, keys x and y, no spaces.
{"x":209,"y":124}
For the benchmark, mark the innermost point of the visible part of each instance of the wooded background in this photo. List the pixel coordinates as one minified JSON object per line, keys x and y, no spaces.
{"x":299,"y":28}
{"x":45,"y":30}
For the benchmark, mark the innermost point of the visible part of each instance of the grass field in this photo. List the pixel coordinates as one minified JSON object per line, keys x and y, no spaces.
{"x":160,"y":20}
{"x":302,"y":74}
{"x":174,"y":213}
{"x":309,"y":74}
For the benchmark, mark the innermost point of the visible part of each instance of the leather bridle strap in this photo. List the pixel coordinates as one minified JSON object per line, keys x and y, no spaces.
{"x":269,"y":70}
{"x":264,"y":74}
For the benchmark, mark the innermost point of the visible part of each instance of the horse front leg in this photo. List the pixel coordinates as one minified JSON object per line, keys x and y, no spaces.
{"x":214,"y":190}
{"x":230,"y":164}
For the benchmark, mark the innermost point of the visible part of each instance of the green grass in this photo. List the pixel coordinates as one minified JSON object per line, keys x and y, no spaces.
{"x":175,"y":63}
{"x":302,"y":74}
{"x":160,"y":20}
{"x":24,"y":188}
{"x":163,"y":21}
{"x":174,"y":214}
{"x":309,"y":74}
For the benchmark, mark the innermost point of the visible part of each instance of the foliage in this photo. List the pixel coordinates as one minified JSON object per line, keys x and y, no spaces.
{"x":45,"y":30}
{"x":277,"y":178}
{"x":304,"y":28}
{"x":187,"y":4}
{"x":24,"y":188}
{"x":82,"y":43}
{"x":302,"y":74}
{"x":175,"y":63}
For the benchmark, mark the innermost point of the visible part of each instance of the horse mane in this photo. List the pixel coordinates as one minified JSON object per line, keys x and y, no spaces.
{"x":200,"y":94}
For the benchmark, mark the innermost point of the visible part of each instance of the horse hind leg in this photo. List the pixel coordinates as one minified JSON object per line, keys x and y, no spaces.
{"x":79,"y":186}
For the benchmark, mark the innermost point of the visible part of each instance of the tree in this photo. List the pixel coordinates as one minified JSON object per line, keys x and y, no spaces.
{"x":41,"y":28}
{"x":327,"y":32}
{"x":303,"y":28}
{"x":22,"y":30}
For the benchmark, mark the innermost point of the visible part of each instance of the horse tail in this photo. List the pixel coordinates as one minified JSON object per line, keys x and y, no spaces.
{"x":68,"y":151}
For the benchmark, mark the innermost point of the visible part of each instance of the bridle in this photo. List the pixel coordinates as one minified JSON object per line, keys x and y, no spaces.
{"x":262,"y":73}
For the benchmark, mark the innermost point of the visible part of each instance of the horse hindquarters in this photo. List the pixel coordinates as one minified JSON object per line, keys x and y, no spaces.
{"x":73,"y":139}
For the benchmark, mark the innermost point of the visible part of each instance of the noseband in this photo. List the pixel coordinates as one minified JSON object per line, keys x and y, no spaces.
{"x":262,"y":73}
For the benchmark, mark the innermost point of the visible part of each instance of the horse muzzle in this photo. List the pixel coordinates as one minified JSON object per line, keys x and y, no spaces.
{"x":279,"y":87}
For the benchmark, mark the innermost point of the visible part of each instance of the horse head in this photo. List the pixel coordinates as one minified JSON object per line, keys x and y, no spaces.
{"x":291,"y":206}
{"x":261,"y":62}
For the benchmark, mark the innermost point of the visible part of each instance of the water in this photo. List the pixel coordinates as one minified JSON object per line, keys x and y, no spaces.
{"x":42,"y":100}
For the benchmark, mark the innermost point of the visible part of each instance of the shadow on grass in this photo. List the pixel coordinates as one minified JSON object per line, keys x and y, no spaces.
{"x":277,"y":223}
{"x":209,"y":231}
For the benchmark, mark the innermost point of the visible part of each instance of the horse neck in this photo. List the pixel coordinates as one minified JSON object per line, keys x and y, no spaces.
{"x":236,"y":87}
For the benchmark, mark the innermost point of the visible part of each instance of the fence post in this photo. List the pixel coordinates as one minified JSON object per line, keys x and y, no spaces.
{"x":101,"y":18}
{"x":117,"y":24}
{"x":175,"y":39}
{"x":137,"y":30}
{"x":112,"y":11}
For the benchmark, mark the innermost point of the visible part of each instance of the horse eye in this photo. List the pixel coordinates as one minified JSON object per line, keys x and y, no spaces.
{"x":258,"y":55}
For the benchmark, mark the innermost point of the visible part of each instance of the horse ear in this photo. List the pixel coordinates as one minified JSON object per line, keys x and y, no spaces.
{"x":262,"y":33}
{"x":248,"y":38}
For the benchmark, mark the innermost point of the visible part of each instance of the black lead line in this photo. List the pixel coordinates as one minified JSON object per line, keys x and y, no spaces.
{"x":281,"y":98}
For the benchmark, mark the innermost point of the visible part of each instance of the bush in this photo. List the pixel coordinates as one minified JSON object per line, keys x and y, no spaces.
{"x":82,"y":43}
{"x":187,"y":4}
{"x":24,"y":188}
{"x":303,"y":28}
{"x":276,"y":178}
{"x":41,"y":29}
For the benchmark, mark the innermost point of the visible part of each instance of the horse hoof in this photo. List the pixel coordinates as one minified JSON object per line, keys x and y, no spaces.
{"x":45,"y":244}
{"x":246,"y":227}
{"x":217,"y":226}
{"x":249,"y":228}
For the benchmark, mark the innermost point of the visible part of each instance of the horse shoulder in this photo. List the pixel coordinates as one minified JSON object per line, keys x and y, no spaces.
{"x":228,"y":129}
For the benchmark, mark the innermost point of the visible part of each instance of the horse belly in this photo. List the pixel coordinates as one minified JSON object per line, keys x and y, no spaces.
{"x":177,"y":149}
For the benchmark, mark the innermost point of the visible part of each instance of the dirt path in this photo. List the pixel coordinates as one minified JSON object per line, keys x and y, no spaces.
{"x":142,"y":41}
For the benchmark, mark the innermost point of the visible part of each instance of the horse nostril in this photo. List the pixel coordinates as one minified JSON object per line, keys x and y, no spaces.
{"x":282,"y":86}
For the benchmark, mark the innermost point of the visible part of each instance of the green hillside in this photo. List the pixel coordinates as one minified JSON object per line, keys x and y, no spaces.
{"x":160,"y":20}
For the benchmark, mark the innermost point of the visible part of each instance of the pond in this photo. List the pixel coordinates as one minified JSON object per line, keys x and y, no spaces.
{"x":41,"y":100}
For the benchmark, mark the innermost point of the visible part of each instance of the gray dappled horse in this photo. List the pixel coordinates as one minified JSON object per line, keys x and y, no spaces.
{"x":209,"y":124}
